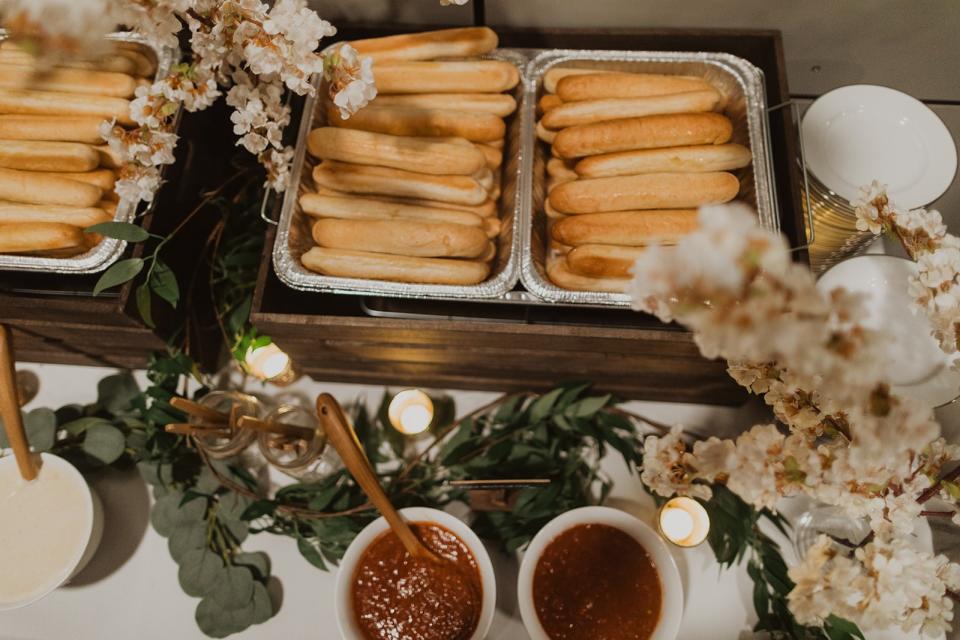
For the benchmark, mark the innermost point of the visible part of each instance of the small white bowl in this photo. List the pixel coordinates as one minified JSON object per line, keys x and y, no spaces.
{"x":348,"y":565}
{"x":671,"y":611}
{"x":90,"y":528}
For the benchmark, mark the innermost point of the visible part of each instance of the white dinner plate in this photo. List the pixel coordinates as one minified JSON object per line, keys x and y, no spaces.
{"x":860,"y":133}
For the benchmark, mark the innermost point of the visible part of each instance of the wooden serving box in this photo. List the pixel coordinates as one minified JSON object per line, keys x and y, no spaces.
{"x":500,"y":346}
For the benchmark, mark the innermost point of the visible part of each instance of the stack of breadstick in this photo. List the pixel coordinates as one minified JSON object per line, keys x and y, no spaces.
{"x":56,"y":174}
{"x":632,"y":156}
{"x":406,"y":189}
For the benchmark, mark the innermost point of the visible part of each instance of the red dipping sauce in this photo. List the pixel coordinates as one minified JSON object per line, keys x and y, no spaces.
{"x":596,"y":582}
{"x":399,"y":597}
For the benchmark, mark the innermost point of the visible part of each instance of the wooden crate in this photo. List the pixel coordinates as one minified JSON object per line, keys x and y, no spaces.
{"x":503,"y":347}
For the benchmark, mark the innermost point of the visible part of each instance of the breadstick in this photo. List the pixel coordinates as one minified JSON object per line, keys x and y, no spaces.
{"x":33,"y":155}
{"x":603,"y":260}
{"x":109,"y":207}
{"x":548,"y":101}
{"x":552,"y":213}
{"x":489,"y":253}
{"x":21,"y":237}
{"x":545,"y":134}
{"x":598,"y":86}
{"x":561,"y":276}
{"x":100,"y":83}
{"x":496,"y":144}
{"x":700,"y":158}
{"x":625,"y":228}
{"x":553,"y":76}
{"x":58,"y":128}
{"x":646,"y":191}
{"x":102,"y":178}
{"x":404,"y":121}
{"x":12,"y":54}
{"x":492,"y":226}
{"x":356,"y":178}
{"x":553,"y":182}
{"x":558,"y":249}
{"x":485,"y":178}
{"x":586,"y":112}
{"x":381,"y":149}
{"x":349,"y":208}
{"x":562,"y":169}
{"x":59,"y":103}
{"x":82,"y":217}
{"x":499,"y":104}
{"x":441,"y":43}
{"x":420,"y":238}
{"x":106,"y":157}
{"x":492,"y":155}
{"x":470,"y":76}
{"x":145,"y":64}
{"x":648,"y":132}
{"x":43,"y":188}
{"x":379,"y":266}
{"x":483,"y":210}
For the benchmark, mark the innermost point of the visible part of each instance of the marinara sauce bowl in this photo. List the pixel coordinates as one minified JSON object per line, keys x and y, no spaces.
{"x":348,"y":565}
{"x":671,"y":586}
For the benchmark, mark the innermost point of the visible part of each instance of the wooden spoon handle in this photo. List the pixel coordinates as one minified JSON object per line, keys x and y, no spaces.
{"x":290,"y":430}
{"x":344,"y":440}
{"x":10,"y":408}
{"x":198,"y":410}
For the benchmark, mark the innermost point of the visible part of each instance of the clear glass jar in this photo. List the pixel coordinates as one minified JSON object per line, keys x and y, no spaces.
{"x":307,"y":459}
{"x":219,"y":447}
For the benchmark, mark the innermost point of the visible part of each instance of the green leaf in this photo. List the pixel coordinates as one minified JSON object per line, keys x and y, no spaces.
{"x":540,"y":409}
{"x":233,"y":588}
{"x":119,"y":230}
{"x":143,"y":305}
{"x":587,"y":407}
{"x":117,"y":393}
{"x":258,"y":509}
{"x":163,"y":282}
{"x":187,"y":536}
{"x":256,"y":561}
{"x":41,"y":427}
{"x":199,"y":571}
{"x":80,"y":425}
{"x":104,"y":442}
{"x":571,"y":394}
{"x":310,"y":552}
{"x":261,"y":604}
{"x":118,"y":273}
{"x":217,"y":622}
{"x":841,"y":629}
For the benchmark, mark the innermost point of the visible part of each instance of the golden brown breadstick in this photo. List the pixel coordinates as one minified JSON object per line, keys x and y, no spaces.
{"x":324,"y":206}
{"x":356,"y":178}
{"x":470,"y":76}
{"x":420,"y":238}
{"x":43,"y":188}
{"x":489,"y":253}
{"x":58,"y":128}
{"x":545,"y":134}
{"x":699,"y":158}
{"x":102,"y":178}
{"x":109,"y":207}
{"x":106,"y":157}
{"x":483,"y":210}
{"x":603,"y":260}
{"x":380,"y":266}
{"x":499,"y":104}
{"x":496,"y":144}
{"x":625,"y":228}
{"x":404,"y":121}
{"x":598,"y":86}
{"x":561,"y":169}
{"x":100,"y":83}
{"x":589,"y":111}
{"x":10,"y":53}
{"x":143,"y":60}
{"x":59,"y":103}
{"x":34,"y":155}
{"x":441,"y":43}
{"x":22,"y":237}
{"x":553,"y":76}
{"x":646,"y":191}
{"x":560,"y":275}
{"x":492,"y":155}
{"x":547,"y":102}
{"x":552,"y":213}
{"x":649,"y":132}
{"x":399,"y":152}
{"x":485,"y":178}
{"x":492,"y":226}
{"x":82,"y":217}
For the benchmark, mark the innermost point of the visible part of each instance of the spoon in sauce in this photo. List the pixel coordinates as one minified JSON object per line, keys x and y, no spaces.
{"x":343,"y":439}
{"x":10,"y":408}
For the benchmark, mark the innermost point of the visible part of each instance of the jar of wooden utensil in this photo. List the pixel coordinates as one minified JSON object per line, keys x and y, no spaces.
{"x":292,"y":440}
{"x":226,"y":439}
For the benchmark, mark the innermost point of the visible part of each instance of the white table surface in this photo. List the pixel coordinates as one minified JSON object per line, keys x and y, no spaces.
{"x":130,"y":588}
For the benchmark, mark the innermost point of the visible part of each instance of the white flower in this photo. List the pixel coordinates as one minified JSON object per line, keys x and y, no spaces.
{"x":350,"y":78}
{"x":939,"y":267}
{"x":447,"y":3}
{"x":869,"y":207}
{"x":139,"y":186}
{"x":664,"y":467}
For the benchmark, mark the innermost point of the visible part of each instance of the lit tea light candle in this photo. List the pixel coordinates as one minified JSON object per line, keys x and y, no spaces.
{"x":270,"y":364}
{"x":411,"y":412}
{"x":684,"y":522}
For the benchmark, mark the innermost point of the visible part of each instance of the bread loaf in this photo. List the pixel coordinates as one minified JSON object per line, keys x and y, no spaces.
{"x":42,"y":188}
{"x":498,"y":104}
{"x":381,"y":266}
{"x":469,"y":76}
{"x":100,"y":83}
{"x":647,"y":191}
{"x":625,"y":228}
{"x":421,"y":238}
{"x":475,"y":126}
{"x":59,"y":103}
{"x":56,"y":128}
{"x":553,"y":76}
{"x":399,"y":152}
{"x":349,"y":208}
{"x":648,"y":132}
{"x":33,"y":155}
{"x":699,"y":158}
{"x":23,"y":237}
{"x":560,"y":275}
{"x":599,"y":86}
{"x":603,"y":260}
{"x":442,"y":43}
{"x":81,"y":217}
{"x":355,"y":178}
{"x":102,"y":178}
{"x":569,"y":114}
{"x":547,"y":102}
{"x":484,"y":210}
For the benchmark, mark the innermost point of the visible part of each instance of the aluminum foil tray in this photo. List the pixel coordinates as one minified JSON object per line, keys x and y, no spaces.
{"x":739,"y":81}
{"x":109,"y":250}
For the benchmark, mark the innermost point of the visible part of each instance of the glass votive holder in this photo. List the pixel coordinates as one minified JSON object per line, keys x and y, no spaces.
{"x":228,"y":442}
{"x":303,"y":453}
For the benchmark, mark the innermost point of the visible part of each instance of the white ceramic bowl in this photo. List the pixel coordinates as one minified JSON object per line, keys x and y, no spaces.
{"x":343,"y":601}
{"x":670,"y":583}
{"x":90,"y":528}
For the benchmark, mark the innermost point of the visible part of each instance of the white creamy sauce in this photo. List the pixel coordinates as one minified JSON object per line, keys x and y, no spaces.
{"x":44,"y":525}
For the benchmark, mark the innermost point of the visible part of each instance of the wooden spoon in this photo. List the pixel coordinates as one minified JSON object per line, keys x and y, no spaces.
{"x":10,"y":408}
{"x":343,"y":439}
